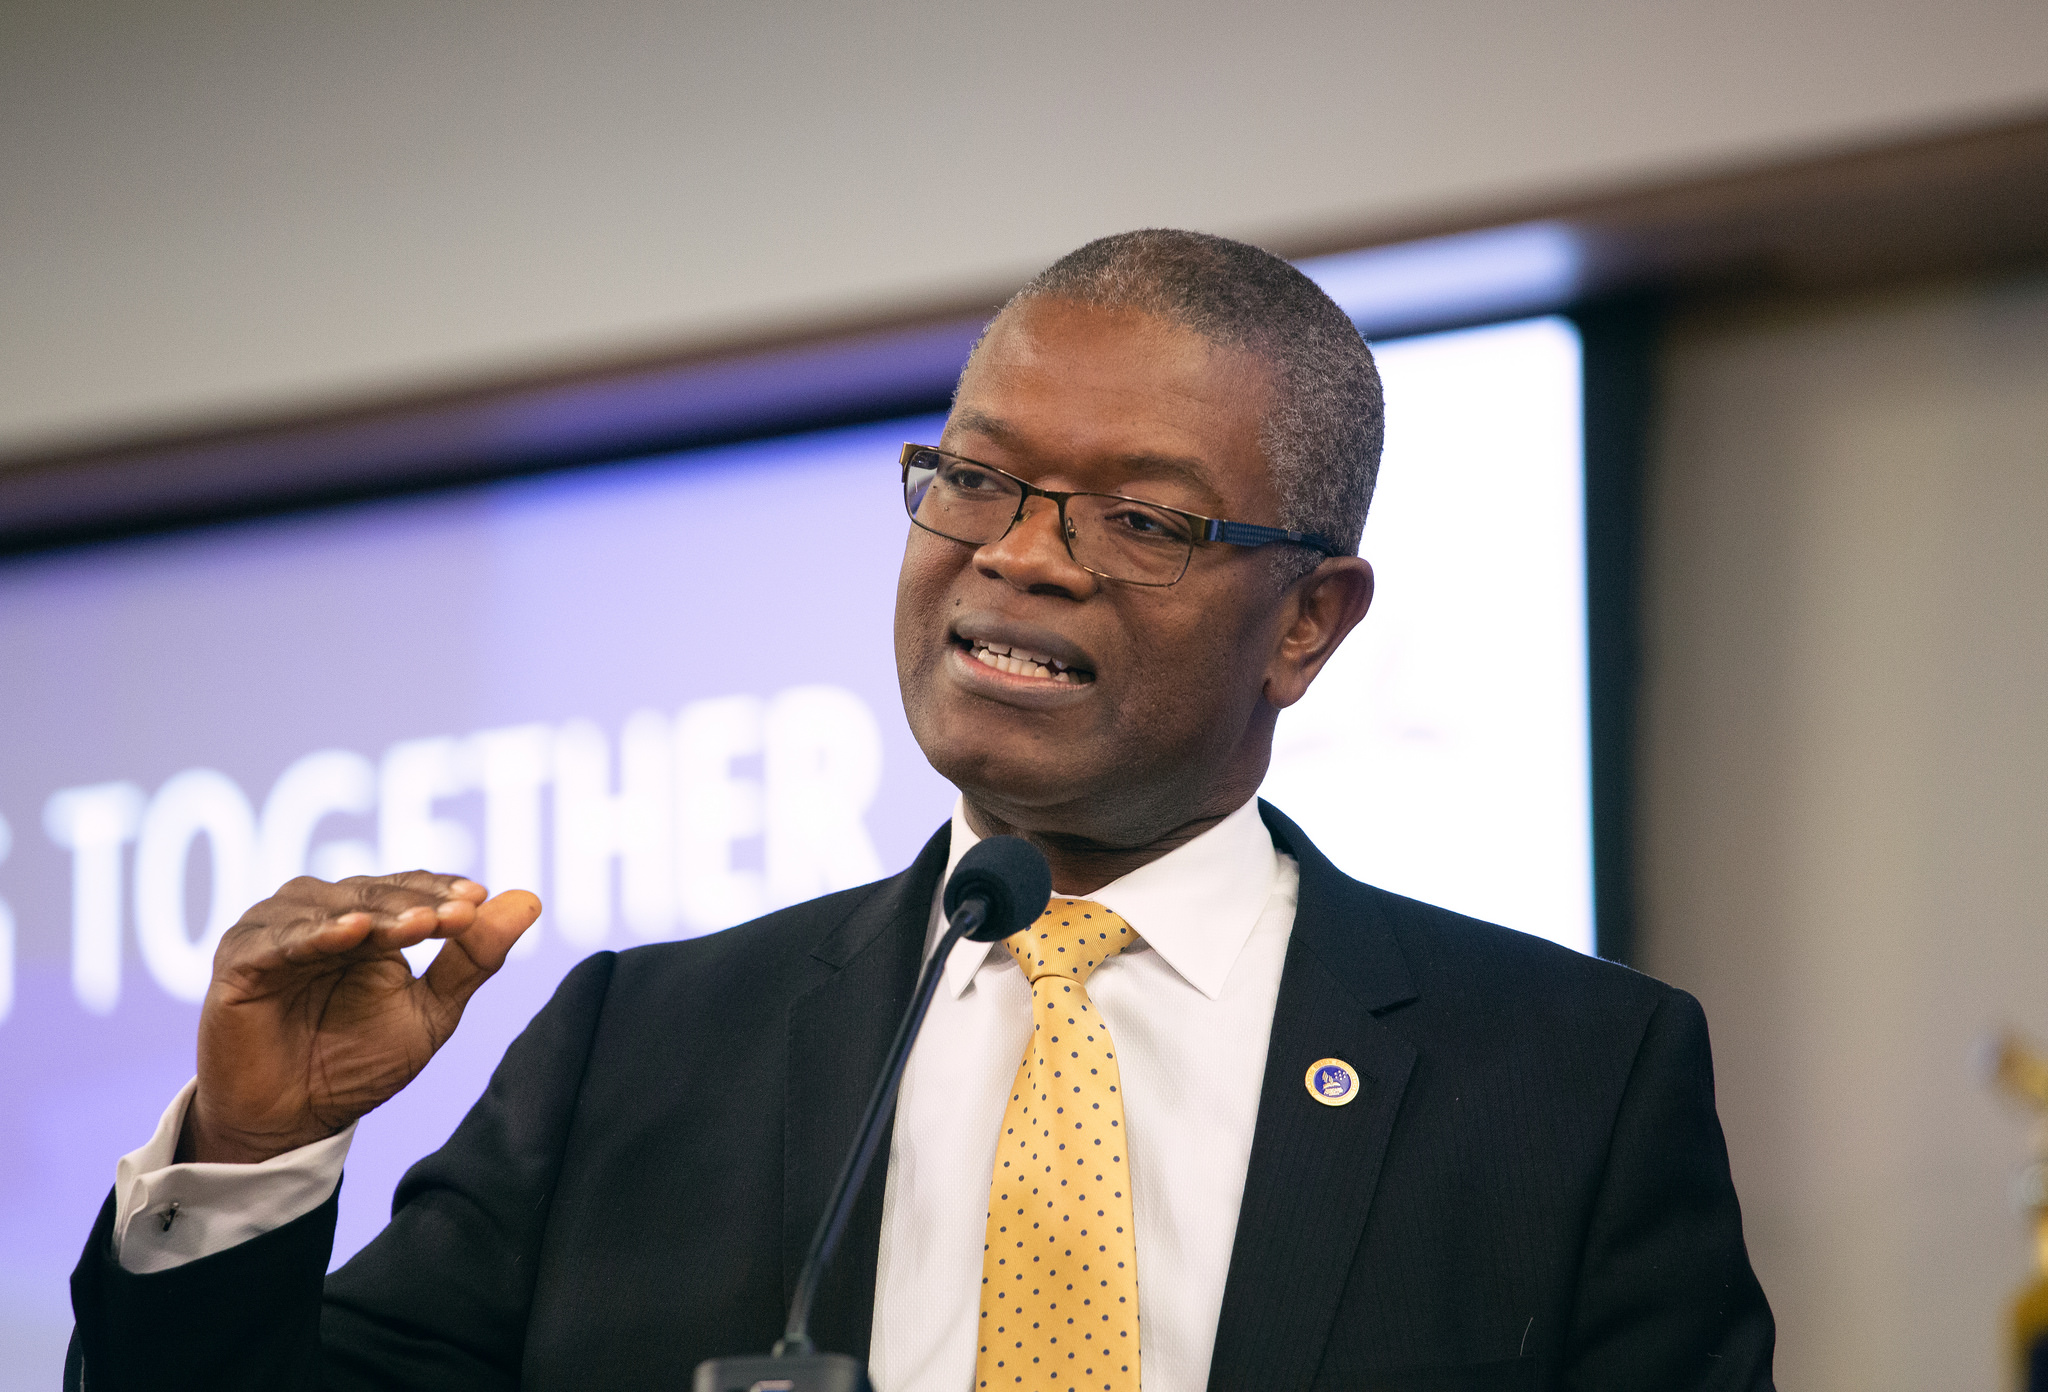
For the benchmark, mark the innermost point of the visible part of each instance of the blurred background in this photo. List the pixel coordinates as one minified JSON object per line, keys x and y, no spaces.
{"x":442,"y":347}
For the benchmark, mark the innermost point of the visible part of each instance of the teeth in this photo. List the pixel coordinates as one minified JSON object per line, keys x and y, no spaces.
{"x":1019,"y":663}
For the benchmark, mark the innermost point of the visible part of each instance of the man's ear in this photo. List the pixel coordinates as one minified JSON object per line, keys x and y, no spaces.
{"x":1318,"y":610}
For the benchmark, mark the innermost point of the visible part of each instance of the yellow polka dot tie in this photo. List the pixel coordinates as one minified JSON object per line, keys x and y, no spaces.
{"x":1059,"y":1265}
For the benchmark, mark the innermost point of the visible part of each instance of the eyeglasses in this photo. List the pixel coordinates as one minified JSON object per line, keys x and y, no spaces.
{"x":1106,"y":534}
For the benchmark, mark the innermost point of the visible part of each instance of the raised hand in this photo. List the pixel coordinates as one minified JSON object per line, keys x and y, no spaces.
{"x":314,"y":1018}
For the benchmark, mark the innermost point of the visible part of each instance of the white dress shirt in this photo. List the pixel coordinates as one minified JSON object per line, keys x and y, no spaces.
{"x":166,"y":1215}
{"x":1190,"y":1006}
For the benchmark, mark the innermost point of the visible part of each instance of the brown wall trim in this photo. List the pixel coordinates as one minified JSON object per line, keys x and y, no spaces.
{"x":1959,"y":201}
{"x":1964,"y":201}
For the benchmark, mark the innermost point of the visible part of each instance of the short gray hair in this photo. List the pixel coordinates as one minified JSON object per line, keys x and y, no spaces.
{"x":1323,"y":432}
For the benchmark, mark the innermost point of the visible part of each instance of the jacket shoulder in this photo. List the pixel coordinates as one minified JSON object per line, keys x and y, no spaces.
{"x":1440,"y":941}
{"x":1479,"y":979}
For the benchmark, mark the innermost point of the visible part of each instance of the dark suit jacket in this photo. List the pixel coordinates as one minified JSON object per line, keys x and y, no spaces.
{"x":1531,"y":1190}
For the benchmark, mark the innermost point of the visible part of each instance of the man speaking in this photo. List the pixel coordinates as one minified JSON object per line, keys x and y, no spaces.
{"x":1223,"y":1117}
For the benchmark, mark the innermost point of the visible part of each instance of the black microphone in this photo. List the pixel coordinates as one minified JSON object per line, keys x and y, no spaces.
{"x":1000,"y":886}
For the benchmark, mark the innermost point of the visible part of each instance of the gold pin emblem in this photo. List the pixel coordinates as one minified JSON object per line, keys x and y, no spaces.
{"x":1332,"y":1082}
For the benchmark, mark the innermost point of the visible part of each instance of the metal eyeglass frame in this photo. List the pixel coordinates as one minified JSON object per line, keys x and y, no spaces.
{"x":1207,"y":529}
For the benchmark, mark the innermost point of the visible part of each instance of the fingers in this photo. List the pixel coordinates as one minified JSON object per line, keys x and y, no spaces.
{"x":425,"y":883}
{"x":308,"y":940}
{"x":391,"y":895}
{"x":309,"y":919}
{"x":474,"y":952}
{"x":416,"y":924}
{"x":385,"y":898}
{"x":382,"y":895}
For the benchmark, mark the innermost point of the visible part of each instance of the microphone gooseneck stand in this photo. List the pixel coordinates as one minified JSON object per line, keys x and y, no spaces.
{"x":1001,"y":886}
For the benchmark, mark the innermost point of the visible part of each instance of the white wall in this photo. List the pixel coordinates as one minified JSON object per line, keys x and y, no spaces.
{"x":1845,"y":796}
{"x":210,"y":208}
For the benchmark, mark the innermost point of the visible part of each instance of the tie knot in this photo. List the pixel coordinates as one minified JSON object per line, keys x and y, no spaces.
{"x":1071,"y":938}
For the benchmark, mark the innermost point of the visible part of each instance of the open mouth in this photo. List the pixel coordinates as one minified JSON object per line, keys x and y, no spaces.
{"x":1018,"y":662}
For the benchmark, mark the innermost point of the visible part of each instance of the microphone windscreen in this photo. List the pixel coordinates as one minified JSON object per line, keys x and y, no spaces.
{"x":1010,"y":876}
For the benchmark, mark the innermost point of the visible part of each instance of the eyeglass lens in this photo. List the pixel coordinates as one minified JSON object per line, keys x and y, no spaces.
{"x":1117,"y":538}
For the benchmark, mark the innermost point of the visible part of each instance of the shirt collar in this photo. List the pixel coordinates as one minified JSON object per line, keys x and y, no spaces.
{"x":1195,"y":906}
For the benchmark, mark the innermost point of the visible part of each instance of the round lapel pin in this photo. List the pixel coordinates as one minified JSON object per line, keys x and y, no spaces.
{"x":1332,"y":1082}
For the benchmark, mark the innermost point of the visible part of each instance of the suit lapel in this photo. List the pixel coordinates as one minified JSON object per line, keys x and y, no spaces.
{"x":839,"y":1033}
{"x":1313,"y":1167}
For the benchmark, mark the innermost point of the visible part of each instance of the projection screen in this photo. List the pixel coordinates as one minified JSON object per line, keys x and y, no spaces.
{"x":615,"y":686}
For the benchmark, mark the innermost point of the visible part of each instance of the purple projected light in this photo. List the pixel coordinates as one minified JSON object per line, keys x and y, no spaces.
{"x":662,"y":694}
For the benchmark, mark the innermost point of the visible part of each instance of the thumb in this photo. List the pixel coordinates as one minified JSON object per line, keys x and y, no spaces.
{"x":470,"y":956}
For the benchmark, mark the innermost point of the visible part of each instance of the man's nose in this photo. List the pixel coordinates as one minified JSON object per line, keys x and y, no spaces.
{"x":1032,"y":556}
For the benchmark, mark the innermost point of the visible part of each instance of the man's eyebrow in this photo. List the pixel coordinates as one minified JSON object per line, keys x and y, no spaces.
{"x":982,"y":423}
{"x":1166,"y":468}
{"x":1171,"y":468}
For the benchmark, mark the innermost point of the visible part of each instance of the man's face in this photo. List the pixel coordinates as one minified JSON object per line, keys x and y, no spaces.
{"x":1163,"y":714}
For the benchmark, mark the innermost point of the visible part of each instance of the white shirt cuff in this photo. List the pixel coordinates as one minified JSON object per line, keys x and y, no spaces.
{"x":167,"y":1214}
